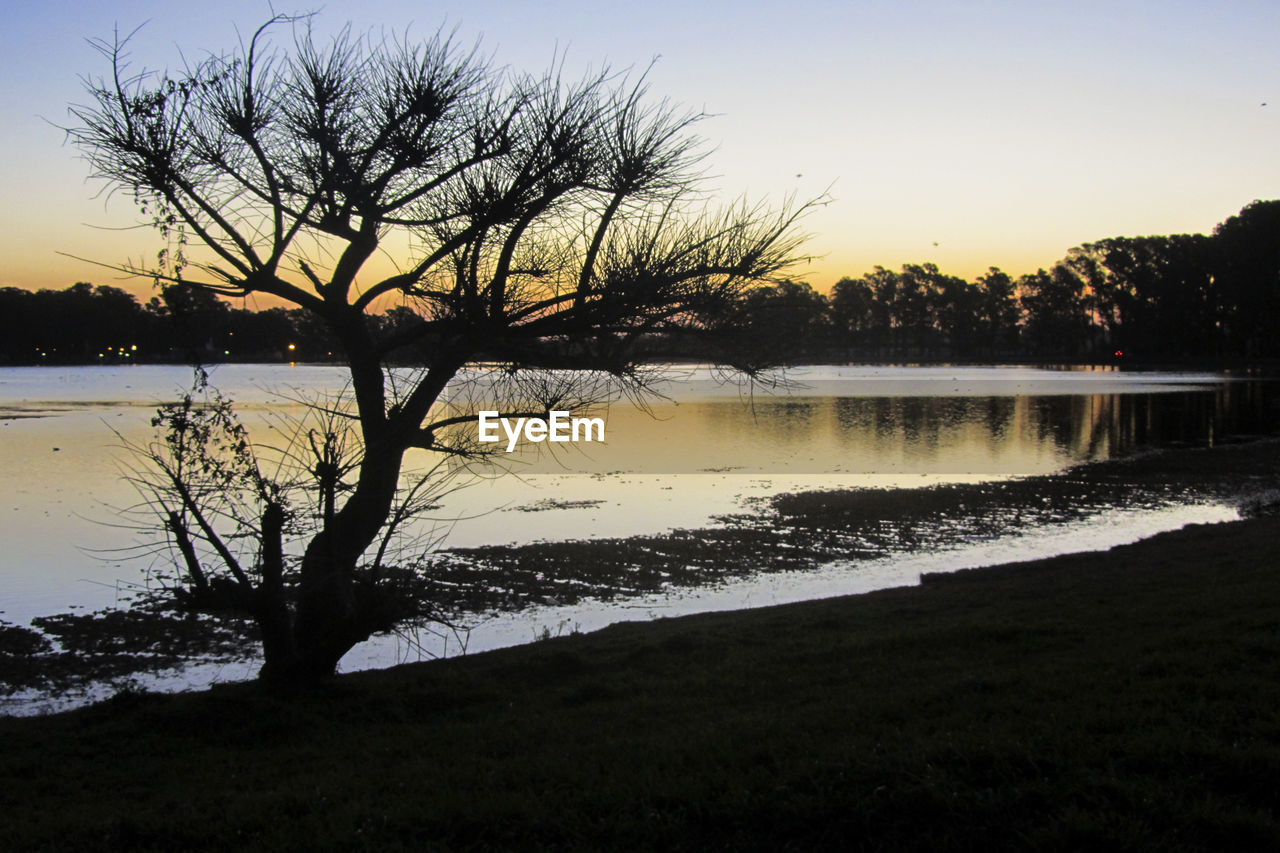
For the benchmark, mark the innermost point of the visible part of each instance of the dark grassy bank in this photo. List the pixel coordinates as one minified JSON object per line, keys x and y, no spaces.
{"x":1109,"y":701}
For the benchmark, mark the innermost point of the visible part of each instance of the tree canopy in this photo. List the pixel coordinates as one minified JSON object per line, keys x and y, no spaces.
{"x":535,"y":220}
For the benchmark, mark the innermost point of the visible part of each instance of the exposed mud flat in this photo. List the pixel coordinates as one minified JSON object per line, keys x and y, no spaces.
{"x":74,"y":651}
{"x":805,"y":530}
{"x":785,"y":533}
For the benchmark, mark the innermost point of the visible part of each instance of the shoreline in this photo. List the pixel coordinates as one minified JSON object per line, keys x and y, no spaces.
{"x":750,"y":562}
{"x":838,"y":579}
{"x":527,"y":626}
{"x":1115,"y":698}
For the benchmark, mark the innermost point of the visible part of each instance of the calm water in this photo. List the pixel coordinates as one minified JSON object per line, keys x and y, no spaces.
{"x":703,"y":449}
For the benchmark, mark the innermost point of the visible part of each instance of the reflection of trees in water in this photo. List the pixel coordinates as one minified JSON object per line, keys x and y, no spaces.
{"x":788,"y":416}
{"x":920,"y":429}
{"x":761,"y":421}
{"x":1247,"y":407}
{"x":1102,"y":426}
{"x":997,"y":415}
{"x":1079,"y":427}
{"x":1012,"y":434}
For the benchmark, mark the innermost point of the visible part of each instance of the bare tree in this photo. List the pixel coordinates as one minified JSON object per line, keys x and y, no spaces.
{"x":557,"y":229}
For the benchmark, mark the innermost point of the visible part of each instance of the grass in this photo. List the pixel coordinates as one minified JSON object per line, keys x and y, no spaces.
{"x":1122,"y":700}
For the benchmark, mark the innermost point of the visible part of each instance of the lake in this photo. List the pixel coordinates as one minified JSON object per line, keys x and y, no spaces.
{"x":701,"y":450}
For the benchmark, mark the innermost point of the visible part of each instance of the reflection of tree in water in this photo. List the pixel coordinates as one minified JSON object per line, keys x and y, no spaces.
{"x":1104,"y":426}
{"x":1010,"y":434}
{"x":998,"y":414}
{"x":787,"y":416}
{"x":924,"y":428}
{"x":768,"y":421}
{"x":1246,"y":407}
{"x":1073,"y":428}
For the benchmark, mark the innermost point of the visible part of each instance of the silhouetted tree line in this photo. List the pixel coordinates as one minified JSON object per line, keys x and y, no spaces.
{"x":1178,"y":297}
{"x":87,"y":324}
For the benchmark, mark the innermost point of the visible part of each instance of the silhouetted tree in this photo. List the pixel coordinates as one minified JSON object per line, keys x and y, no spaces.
{"x":199,"y":320}
{"x":551,"y":222}
{"x":998,"y":313}
{"x":957,"y":307}
{"x":783,"y":323}
{"x":1153,"y":296}
{"x":914,"y":308}
{"x":1247,"y":272}
{"x":884,"y":285}
{"x":855,"y":317}
{"x":1056,"y":319}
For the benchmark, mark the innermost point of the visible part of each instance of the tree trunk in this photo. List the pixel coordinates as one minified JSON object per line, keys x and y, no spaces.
{"x":336,"y":607}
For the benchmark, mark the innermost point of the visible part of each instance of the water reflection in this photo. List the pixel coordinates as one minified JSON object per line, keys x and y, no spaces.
{"x":704,"y":448}
{"x":705,"y":452}
{"x":1024,"y":434}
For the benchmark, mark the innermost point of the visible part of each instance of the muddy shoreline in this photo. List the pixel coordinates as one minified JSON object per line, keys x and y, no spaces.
{"x":788,"y":532}
{"x":804,"y":530}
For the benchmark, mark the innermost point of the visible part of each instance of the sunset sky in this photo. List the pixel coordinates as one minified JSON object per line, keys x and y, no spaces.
{"x":968,"y":134}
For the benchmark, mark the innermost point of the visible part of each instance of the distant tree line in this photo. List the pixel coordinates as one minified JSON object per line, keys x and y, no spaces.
{"x":87,"y":324}
{"x":1171,"y":298}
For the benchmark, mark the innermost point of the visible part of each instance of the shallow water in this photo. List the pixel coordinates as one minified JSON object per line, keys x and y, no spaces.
{"x":703,"y":450}
{"x":498,"y":630}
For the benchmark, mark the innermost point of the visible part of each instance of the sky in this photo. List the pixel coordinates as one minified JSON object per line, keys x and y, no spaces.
{"x":969,"y":134}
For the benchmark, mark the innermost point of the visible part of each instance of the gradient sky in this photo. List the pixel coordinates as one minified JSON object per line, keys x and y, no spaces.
{"x":968,"y":134}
